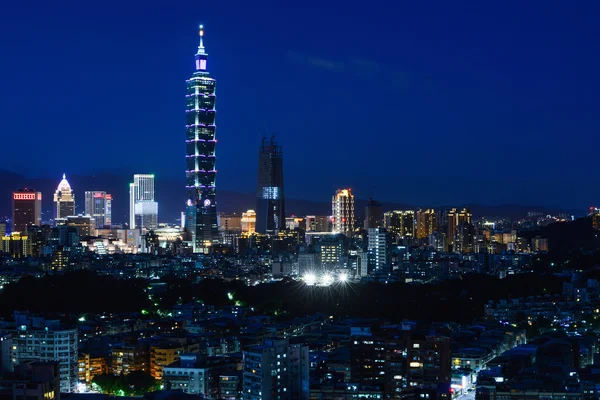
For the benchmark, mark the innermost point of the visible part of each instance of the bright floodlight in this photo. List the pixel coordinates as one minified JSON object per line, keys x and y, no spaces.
{"x":310,"y":278}
{"x":343,"y":277}
{"x":327,"y":279}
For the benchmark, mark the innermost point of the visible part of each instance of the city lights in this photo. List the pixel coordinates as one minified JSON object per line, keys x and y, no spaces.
{"x":327,"y":279}
{"x":324,"y":279}
{"x":310,"y":279}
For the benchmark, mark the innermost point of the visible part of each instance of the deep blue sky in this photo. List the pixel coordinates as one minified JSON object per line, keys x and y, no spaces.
{"x":427,"y":102}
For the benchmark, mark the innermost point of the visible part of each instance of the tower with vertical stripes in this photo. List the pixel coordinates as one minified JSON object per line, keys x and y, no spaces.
{"x":201,"y":209}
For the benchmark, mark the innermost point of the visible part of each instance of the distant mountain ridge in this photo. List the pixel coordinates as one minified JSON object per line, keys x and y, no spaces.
{"x":171,"y":196}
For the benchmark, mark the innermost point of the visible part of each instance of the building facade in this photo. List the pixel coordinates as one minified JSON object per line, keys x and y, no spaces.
{"x":380,"y":247}
{"x":85,"y":224}
{"x":230,"y":222}
{"x":249,"y":222}
{"x":276,"y":370}
{"x":400,"y":223}
{"x":426,"y":223}
{"x":98,"y":204}
{"x":143,"y":209}
{"x":17,"y":244}
{"x":454,"y":219}
{"x":342,"y":211}
{"x":318,"y":223}
{"x":27,"y":209}
{"x":201,"y":208}
{"x":270,"y":199}
{"x":64,"y":199}
{"x":373,"y":214}
{"x":46,"y":340}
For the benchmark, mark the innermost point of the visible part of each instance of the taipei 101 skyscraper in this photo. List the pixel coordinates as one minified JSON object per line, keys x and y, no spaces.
{"x":201,"y":210}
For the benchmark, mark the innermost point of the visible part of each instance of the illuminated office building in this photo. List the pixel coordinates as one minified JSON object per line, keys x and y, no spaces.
{"x":27,"y":209}
{"x":373,"y":214}
{"x":454,"y":219}
{"x":64,"y":199}
{"x":17,"y":244}
{"x":292,"y":223}
{"x":201,"y":210}
{"x":342,"y":210}
{"x":318,"y":223}
{"x":270,"y":200}
{"x":98,"y":205}
{"x":276,"y":370}
{"x":85,"y":224}
{"x":331,"y":253}
{"x":400,"y":223}
{"x":426,"y":223}
{"x":143,"y":210}
{"x":249,"y":222}
{"x":380,"y":247}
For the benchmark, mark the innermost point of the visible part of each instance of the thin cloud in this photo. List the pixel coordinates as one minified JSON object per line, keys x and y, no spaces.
{"x":361,"y":67}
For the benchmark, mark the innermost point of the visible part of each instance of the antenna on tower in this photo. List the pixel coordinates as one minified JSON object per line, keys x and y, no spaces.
{"x":201,"y":34}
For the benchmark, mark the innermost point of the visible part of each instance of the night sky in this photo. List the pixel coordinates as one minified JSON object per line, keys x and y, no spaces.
{"x":418,"y":102}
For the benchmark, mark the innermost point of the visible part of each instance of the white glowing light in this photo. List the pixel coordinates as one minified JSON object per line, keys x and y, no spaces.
{"x":327,"y":279}
{"x":310,"y":278}
{"x":343,"y":277}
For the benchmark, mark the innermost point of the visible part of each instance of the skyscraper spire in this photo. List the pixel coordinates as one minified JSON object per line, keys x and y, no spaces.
{"x":201,"y":45}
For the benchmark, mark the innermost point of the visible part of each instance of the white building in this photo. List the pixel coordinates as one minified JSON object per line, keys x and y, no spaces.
{"x":45,"y":340}
{"x":342,"y":209}
{"x":276,"y":370}
{"x":193,"y":375}
{"x":143,"y":210}
{"x":380,"y":247}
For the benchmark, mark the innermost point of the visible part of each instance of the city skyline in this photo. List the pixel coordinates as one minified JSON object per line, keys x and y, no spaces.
{"x":485,"y":116}
{"x":435,"y":235}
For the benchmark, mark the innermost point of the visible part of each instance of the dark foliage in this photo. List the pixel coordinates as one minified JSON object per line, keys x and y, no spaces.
{"x":459,"y":300}
{"x":74,"y":292}
{"x":135,"y":383}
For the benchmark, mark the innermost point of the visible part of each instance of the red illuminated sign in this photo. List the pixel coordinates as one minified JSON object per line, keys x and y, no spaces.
{"x":99,"y":195}
{"x":24,"y":196}
{"x":109,"y":197}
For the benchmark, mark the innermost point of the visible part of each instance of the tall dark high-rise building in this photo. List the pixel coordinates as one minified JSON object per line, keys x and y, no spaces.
{"x":270,"y":201}
{"x":27,"y":209}
{"x":373,"y":214}
{"x":201,"y":211}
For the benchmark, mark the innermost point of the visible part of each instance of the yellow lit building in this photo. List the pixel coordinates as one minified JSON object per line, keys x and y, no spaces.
{"x":17,"y":245}
{"x":162,"y":356}
{"x":249,"y":222}
{"x":89,"y":367}
{"x":456,"y":218}
{"x":60,"y":259}
{"x":426,"y":223}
